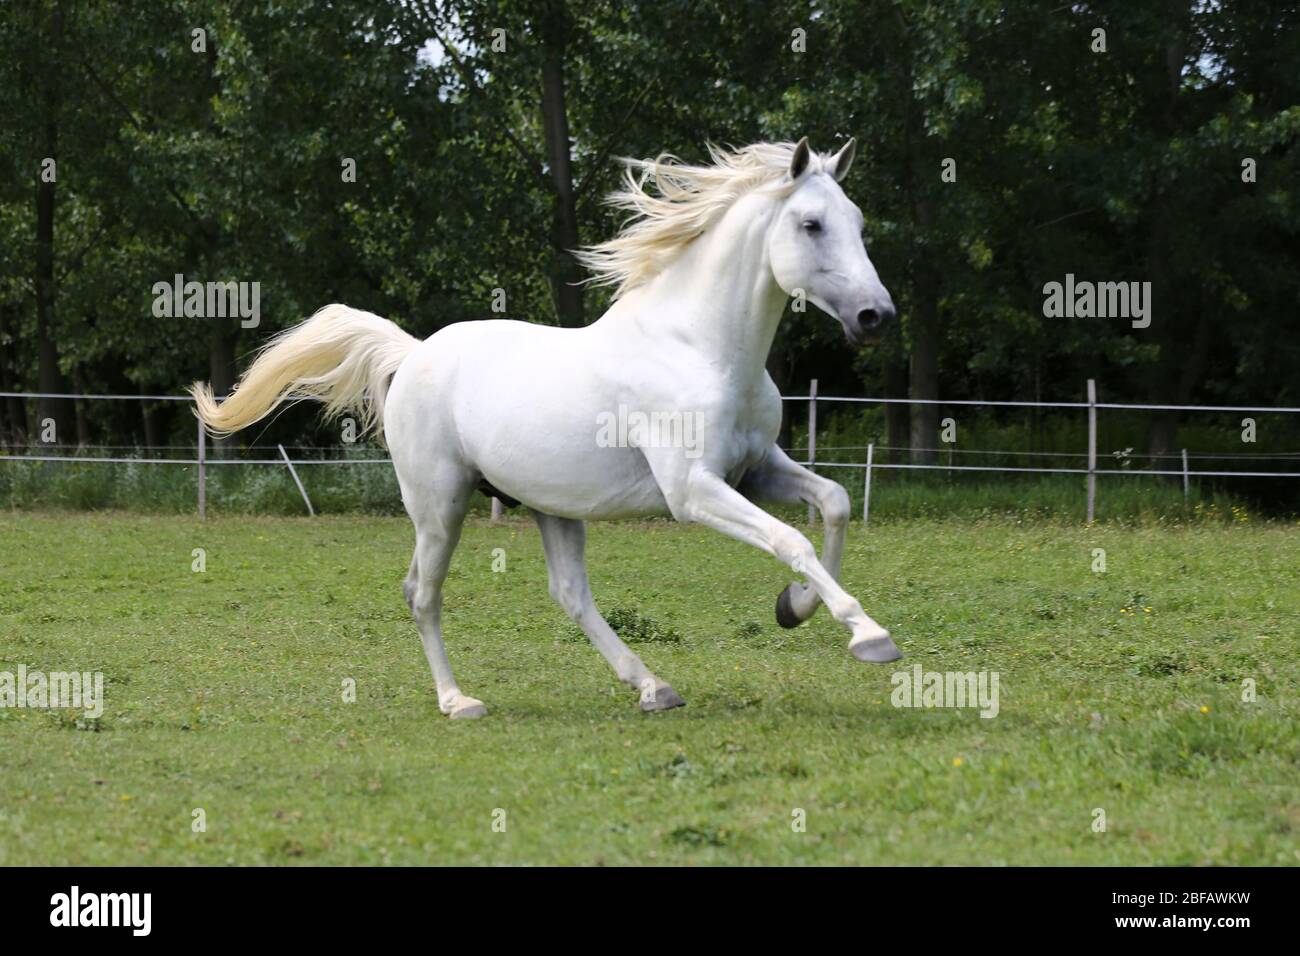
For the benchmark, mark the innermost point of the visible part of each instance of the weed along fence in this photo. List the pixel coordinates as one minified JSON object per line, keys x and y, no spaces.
{"x":1053,"y":462}
{"x":200,"y":451}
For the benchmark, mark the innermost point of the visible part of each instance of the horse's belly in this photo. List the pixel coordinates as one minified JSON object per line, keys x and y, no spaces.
{"x":612,"y":483}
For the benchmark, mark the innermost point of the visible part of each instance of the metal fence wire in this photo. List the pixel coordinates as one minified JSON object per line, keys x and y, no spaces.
{"x":869,"y":465}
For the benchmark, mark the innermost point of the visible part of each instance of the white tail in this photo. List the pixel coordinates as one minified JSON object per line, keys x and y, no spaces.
{"x":343,"y":357}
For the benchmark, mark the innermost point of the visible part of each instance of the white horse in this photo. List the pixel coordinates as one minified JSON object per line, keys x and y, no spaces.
{"x":703,"y":272}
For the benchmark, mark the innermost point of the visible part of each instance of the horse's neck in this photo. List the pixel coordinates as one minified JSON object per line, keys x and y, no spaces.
{"x":719,"y":297}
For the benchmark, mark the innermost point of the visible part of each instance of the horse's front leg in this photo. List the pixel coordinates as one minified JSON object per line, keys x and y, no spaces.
{"x":781,"y":480}
{"x":702,"y":496}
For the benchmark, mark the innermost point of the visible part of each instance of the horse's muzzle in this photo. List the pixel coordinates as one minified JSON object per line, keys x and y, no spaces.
{"x":868,"y":325}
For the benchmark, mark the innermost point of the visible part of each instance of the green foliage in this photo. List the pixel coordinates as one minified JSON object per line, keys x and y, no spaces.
{"x":226,"y":164}
{"x":173,"y":489}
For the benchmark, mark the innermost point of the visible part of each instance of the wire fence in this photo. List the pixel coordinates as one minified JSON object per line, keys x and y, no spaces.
{"x":1090,"y":471}
{"x":310,"y":455}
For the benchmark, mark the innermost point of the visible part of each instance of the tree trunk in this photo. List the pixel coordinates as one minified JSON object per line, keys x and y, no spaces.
{"x":49,"y":376}
{"x":79,"y":411}
{"x":222,"y":371}
{"x":149,"y":418}
{"x":13,"y":431}
{"x":16,"y":412}
{"x":896,"y":416}
{"x":223,"y":332}
{"x":924,"y":326}
{"x":1177,"y":374}
{"x":566,"y":274}
{"x":1178,"y":366}
{"x":923,"y":322}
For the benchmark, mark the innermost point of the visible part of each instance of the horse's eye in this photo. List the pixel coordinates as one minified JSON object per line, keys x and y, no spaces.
{"x":812,"y":225}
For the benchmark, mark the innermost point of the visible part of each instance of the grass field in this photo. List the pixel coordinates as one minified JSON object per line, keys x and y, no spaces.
{"x":1120,"y":691}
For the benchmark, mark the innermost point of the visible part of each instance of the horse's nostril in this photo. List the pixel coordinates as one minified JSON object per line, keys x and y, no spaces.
{"x":868,"y":318}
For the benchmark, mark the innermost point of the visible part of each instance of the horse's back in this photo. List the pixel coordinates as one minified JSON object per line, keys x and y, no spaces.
{"x":520,"y":405}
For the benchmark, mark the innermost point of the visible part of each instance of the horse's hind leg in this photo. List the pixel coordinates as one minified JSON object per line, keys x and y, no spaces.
{"x":412,"y":577}
{"x":438,"y":511}
{"x":565,"y":543}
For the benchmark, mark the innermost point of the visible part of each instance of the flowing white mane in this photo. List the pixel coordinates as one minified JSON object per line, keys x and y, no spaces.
{"x":689,"y":199}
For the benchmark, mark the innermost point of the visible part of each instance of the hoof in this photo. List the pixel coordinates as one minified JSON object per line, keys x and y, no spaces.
{"x":660,"y":697}
{"x":875,"y":650}
{"x":463,"y":708}
{"x":785,"y":615}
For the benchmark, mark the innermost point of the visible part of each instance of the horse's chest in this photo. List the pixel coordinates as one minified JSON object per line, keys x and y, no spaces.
{"x":750,"y":437}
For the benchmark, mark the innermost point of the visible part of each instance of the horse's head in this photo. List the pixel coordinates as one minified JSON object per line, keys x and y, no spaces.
{"x":815,"y":246}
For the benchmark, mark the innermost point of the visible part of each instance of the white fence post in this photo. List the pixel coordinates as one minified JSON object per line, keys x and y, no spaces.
{"x":1185,"y":482}
{"x":297,"y":481}
{"x":203,"y":471}
{"x":496,"y":510}
{"x":866,"y":488}
{"x":812,"y":435}
{"x":1092,"y":449}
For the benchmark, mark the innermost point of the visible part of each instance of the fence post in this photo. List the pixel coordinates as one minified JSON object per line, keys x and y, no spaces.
{"x":812,"y":435}
{"x":1092,"y":449}
{"x":1185,"y":489}
{"x":203,"y":471}
{"x":496,"y":510}
{"x":297,"y":481}
{"x":866,"y":488}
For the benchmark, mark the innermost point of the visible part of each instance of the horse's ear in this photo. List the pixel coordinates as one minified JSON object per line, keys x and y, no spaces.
{"x":842,"y":160}
{"x":799,"y":161}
